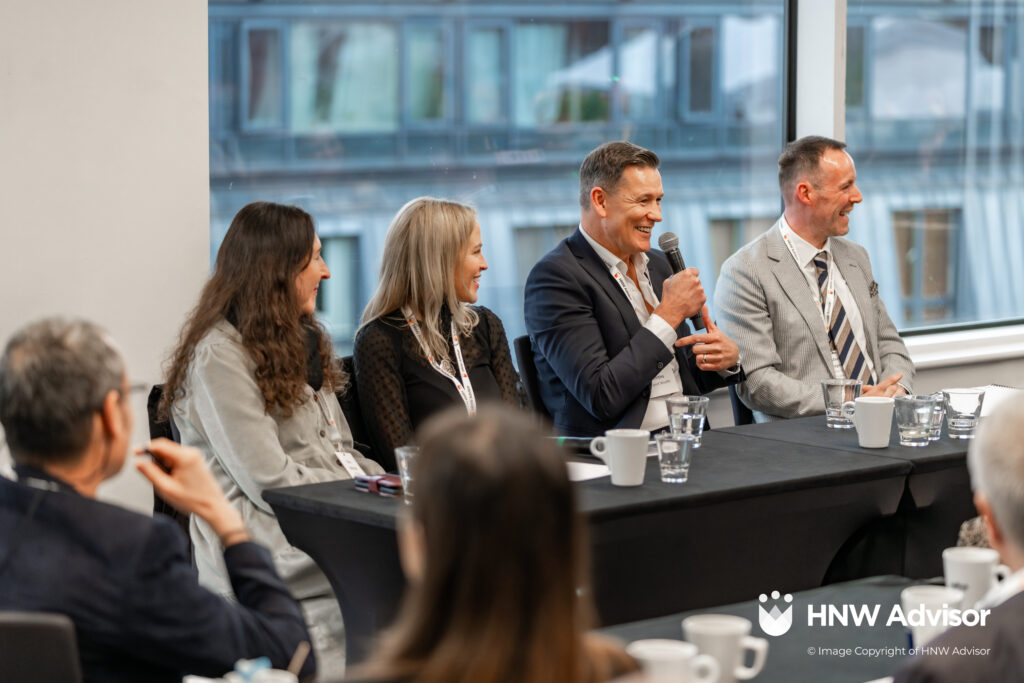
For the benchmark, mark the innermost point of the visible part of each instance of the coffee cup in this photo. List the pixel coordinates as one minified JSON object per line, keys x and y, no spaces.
{"x":873,"y":419}
{"x":625,"y":453}
{"x":972,"y":570}
{"x":727,"y":638}
{"x":923,"y":605}
{"x":673,"y":661}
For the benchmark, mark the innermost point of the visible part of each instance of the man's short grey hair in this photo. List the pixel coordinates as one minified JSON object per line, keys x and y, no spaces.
{"x":996,"y":463}
{"x":54,"y":375}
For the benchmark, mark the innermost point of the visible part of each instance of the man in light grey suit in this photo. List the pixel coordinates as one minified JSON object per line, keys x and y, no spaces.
{"x":801,"y":302}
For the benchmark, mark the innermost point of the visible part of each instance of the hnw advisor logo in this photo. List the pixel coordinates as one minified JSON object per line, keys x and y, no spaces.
{"x":775,"y":622}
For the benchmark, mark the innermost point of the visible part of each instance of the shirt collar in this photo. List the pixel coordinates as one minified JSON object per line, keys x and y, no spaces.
{"x":805,"y":251}
{"x":613,"y":261}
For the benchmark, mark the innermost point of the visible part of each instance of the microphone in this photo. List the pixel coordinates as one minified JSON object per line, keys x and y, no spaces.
{"x":669,"y":243}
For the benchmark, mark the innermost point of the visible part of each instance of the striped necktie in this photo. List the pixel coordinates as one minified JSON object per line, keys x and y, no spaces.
{"x":840,"y":334}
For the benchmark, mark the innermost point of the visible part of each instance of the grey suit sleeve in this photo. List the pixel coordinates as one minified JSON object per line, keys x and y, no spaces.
{"x":743,"y":314}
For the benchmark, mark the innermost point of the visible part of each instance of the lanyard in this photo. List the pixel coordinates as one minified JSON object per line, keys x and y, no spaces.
{"x":825,"y":310}
{"x":464,"y":387}
{"x":346,"y":459}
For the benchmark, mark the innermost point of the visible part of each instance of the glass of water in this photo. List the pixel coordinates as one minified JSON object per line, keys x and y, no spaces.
{"x":963,"y":408}
{"x":406,"y":456}
{"x":940,"y":415}
{"x":914,"y":418}
{"x":686,"y":415}
{"x":674,"y":456}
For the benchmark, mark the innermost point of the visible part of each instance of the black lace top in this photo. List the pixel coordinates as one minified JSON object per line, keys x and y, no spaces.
{"x":398,"y":389}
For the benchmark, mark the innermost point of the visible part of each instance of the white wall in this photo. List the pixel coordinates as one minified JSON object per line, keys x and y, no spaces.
{"x":104,"y":181}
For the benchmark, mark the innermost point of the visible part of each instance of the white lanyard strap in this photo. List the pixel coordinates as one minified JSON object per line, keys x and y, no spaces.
{"x":825,"y":309}
{"x":463,"y":385}
{"x":346,"y":459}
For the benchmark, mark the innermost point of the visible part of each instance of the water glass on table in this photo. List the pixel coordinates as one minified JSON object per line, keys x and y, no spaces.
{"x":940,"y":416}
{"x":686,"y":415}
{"x":674,"y":456}
{"x":963,"y":408}
{"x":406,"y":455}
{"x":839,"y":397}
{"x":915,"y":416}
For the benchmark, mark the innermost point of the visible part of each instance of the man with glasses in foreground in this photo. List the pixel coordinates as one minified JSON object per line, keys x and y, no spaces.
{"x":124,"y":579}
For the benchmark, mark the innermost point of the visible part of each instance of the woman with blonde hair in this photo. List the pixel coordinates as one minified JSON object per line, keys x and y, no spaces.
{"x":252,"y":384}
{"x":422,"y":346}
{"x":496,"y":557}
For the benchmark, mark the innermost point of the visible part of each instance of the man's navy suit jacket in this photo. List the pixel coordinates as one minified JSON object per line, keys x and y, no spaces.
{"x":126,"y":582}
{"x":595,"y":360}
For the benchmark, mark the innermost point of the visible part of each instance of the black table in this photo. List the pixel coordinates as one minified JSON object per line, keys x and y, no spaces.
{"x":838,"y":654}
{"x":755,"y":512}
{"x":936,"y":501}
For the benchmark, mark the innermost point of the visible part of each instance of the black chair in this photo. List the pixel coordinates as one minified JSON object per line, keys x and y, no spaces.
{"x":37,"y":646}
{"x":528,"y":374}
{"x":349,"y":400}
{"x":741,"y":414}
{"x":166,"y":429}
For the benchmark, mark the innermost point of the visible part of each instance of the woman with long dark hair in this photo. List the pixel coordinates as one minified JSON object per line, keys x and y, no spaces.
{"x":251,"y":384}
{"x":496,"y":557}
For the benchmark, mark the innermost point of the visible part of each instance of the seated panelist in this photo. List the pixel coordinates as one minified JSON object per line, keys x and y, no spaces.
{"x":606,"y":315}
{"x":124,"y":579}
{"x":496,"y":557}
{"x":422,"y":346}
{"x":252,"y":385}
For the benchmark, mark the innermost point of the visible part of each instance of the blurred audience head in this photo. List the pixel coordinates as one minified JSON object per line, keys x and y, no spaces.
{"x":496,"y":554}
{"x":996,"y":462}
{"x":604,"y":165}
{"x":63,"y":391}
{"x":263,"y":283}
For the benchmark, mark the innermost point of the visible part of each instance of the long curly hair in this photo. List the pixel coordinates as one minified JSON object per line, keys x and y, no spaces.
{"x":253,"y":287}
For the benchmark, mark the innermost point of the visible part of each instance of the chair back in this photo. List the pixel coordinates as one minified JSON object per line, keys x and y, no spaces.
{"x":166,"y":429}
{"x":528,"y":374}
{"x":349,"y":400}
{"x":741,"y":414}
{"x":38,"y":646}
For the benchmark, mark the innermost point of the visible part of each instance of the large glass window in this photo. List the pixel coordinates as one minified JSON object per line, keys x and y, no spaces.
{"x":935,"y":105}
{"x":352,"y":109}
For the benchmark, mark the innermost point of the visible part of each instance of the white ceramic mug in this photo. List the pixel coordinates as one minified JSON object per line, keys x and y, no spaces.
{"x":932,"y":599}
{"x":625,"y":453}
{"x":873,"y":419}
{"x":972,"y":570}
{"x":727,"y":638}
{"x":673,"y":661}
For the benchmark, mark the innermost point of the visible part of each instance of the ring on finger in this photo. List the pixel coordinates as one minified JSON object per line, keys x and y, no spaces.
{"x":705,"y":358}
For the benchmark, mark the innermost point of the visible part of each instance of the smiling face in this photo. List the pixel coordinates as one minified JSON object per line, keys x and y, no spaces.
{"x":307,"y":282}
{"x":469,"y":267}
{"x":626,"y":215}
{"x":833,"y":195}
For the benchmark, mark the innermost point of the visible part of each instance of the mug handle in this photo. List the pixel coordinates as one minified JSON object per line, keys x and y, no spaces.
{"x":598,"y":447}
{"x":849,"y":409}
{"x":759,"y":646}
{"x":705,"y":669}
{"x":1000,"y":572}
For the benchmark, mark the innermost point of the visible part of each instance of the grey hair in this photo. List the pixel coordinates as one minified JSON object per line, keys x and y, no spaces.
{"x":996,"y":464}
{"x":54,"y":374}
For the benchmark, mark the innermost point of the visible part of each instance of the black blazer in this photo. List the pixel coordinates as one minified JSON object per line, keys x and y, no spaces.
{"x":595,"y":360}
{"x":126,"y":582}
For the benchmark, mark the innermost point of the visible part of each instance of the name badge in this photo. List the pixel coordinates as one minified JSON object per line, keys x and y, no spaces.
{"x":348,"y":461}
{"x":666,"y":382}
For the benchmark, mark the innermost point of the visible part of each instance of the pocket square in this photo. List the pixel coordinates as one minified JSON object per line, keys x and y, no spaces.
{"x":873,"y":289}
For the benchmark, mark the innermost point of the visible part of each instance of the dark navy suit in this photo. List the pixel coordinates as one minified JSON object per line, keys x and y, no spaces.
{"x":126,"y":582}
{"x":595,"y":360}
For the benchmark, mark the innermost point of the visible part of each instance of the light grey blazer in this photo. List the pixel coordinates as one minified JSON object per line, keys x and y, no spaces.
{"x":763,"y":302}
